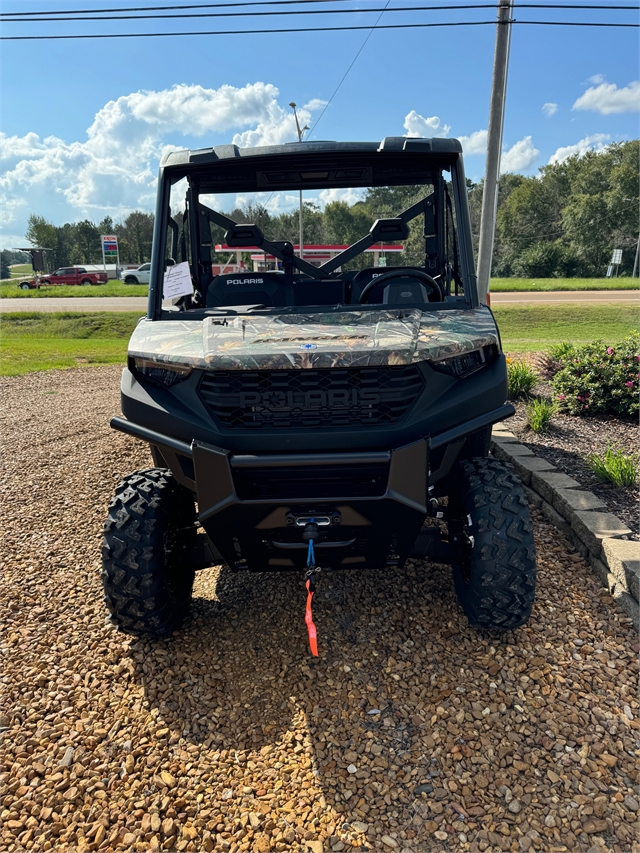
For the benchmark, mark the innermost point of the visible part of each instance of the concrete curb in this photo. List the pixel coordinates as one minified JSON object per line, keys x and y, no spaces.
{"x":596,"y":534}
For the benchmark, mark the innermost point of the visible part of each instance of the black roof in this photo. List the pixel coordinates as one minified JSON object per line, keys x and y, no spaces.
{"x":396,"y":144}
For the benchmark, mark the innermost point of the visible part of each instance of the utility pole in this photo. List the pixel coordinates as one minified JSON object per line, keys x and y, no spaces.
{"x":635,"y":263}
{"x":494,"y":147}
{"x":300,"y":135}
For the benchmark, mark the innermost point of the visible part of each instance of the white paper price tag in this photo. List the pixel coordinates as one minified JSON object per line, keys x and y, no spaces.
{"x":177,"y":281}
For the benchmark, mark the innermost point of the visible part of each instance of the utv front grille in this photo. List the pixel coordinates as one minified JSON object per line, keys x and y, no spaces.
{"x":311,"y":399}
{"x":313,"y":482}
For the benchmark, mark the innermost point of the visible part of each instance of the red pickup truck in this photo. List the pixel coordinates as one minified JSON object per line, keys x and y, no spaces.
{"x":65,"y":275}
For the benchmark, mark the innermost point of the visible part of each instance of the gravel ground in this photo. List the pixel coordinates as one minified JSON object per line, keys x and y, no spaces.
{"x":410,"y":732}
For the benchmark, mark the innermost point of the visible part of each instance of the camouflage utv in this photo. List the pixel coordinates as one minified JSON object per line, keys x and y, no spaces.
{"x":334,"y":415}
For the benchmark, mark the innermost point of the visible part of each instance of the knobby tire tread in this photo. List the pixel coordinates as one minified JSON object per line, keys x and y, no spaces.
{"x":148,"y":534}
{"x":496,"y":588}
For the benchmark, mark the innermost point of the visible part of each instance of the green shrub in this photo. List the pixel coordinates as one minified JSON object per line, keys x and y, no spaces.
{"x":539,"y":414}
{"x":600,"y":379}
{"x":615,"y":465}
{"x":548,"y":363}
{"x":522,"y":380}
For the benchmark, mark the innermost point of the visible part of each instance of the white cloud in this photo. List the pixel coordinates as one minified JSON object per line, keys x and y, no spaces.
{"x":419,"y":126}
{"x":315,"y":104}
{"x":519,"y":157}
{"x":596,"y":142}
{"x":474,"y":144}
{"x":113,"y":170}
{"x":349,"y":195}
{"x":606,"y":98}
{"x":596,"y":79}
{"x":549,"y":109}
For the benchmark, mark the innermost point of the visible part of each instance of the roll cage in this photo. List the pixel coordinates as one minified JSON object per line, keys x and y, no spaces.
{"x":396,"y":161}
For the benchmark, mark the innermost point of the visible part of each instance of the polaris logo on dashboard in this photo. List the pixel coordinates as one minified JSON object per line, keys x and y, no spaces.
{"x":245,"y":281}
{"x":307,"y":400}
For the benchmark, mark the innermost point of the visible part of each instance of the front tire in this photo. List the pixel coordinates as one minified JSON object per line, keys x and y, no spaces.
{"x":130,"y":279}
{"x":149,"y":537}
{"x":496,"y":582}
{"x":25,"y":286}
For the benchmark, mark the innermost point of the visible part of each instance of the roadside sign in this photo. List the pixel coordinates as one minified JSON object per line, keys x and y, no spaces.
{"x":382,"y":261}
{"x":617,"y":256}
{"x":110,"y":251}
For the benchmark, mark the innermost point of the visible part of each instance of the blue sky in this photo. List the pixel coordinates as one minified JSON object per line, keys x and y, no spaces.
{"x":84,"y":122}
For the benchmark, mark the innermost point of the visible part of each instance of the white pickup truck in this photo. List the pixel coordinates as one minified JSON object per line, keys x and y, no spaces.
{"x":138,"y":276}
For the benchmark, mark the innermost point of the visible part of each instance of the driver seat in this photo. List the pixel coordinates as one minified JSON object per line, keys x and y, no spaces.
{"x":401,"y":292}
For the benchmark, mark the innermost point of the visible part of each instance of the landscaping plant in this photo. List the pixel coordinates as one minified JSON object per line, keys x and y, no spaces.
{"x":615,"y":465}
{"x":598,"y":379}
{"x":539,"y":414}
{"x":551,"y":361}
{"x":522,"y":380}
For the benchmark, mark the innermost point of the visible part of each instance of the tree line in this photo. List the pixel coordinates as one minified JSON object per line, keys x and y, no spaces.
{"x":564,"y":222}
{"x":79,"y":242}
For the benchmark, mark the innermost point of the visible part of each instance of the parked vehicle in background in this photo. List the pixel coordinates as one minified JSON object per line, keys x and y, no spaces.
{"x":65,"y":275}
{"x":138,"y":276}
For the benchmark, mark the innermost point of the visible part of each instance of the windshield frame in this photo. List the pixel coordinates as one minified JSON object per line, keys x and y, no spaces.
{"x":246,"y":169}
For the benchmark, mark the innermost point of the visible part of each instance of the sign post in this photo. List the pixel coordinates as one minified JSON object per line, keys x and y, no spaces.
{"x":110,"y":251}
{"x":614,"y":263}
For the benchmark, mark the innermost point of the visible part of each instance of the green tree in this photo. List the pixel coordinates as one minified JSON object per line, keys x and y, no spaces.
{"x":135,"y":237}
{"x":5,"y":269}
{"x":87,"y":245}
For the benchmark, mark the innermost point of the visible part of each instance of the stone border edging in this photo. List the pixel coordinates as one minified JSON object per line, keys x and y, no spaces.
{"x":582,"y":517}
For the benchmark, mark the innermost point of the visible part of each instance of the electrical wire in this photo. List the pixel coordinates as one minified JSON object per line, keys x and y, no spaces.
{"x":344,"y":76}
{"x":75,"y":15}
{"x":283,"y":12}
{"x":310,"y":30}
{"x":258,"y":14}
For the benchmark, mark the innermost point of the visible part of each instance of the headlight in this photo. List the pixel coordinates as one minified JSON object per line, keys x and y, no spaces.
{"x":462,"y":365}
{"x":160,"y":373}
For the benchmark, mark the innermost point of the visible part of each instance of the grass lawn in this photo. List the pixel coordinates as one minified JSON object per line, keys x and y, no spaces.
{"x":21,"y":271}
{"x":498,"y":285}
{"x":30,"y":342}
{"x":527,"y":328}
{"x":504,"y":285}
{"x":34,"y":341}
{"x":111,"y":288}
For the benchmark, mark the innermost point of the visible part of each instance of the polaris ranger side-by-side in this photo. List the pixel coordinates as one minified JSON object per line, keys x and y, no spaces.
{"x":316,"y":416}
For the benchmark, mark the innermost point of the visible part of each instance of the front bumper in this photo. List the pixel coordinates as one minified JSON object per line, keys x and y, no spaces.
{"x":248,"y":504}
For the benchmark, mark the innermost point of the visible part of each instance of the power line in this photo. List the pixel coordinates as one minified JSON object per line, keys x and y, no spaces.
{"x":75,"y":15}
{"x":260,"y":14}
{"x":310,"y":30}
{"x":344,"y":76}
{"x":299,"y":12}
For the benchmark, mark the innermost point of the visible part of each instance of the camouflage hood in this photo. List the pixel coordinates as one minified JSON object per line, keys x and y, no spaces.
{"x":317,"y":340}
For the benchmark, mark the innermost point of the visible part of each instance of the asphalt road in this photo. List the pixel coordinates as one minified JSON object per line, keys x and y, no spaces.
{"x":139,"y":303}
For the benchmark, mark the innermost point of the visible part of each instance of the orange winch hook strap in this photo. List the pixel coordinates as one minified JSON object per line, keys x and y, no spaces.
{"x":308,"y":618}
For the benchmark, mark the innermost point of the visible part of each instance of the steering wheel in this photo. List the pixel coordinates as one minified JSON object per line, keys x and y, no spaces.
{"x":424,"y":277}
